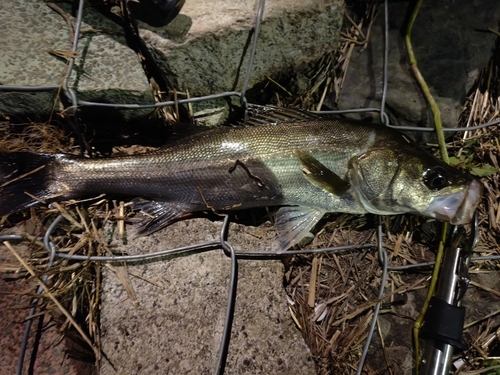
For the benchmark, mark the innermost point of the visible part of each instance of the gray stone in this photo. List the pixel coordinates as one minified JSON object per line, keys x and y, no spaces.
{"x":449,"y":51}
{"x":177,"y":327}
{"x":213,"y":55}
{"x":106,"y":69}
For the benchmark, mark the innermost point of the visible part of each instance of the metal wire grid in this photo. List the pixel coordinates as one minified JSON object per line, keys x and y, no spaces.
{"x":222,"y":242}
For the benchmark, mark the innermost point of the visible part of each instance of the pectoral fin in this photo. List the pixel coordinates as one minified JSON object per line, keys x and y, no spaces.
{"x":319,"y":175}
{"x":294,"y":223}
{"x":156,"y":214}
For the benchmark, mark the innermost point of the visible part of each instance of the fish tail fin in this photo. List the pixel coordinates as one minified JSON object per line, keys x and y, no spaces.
{"x":25,"y":180}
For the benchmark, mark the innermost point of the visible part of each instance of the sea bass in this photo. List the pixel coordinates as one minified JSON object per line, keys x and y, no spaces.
{"x":307,"y":164}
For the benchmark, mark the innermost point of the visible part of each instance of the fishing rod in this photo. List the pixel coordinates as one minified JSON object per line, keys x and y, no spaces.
{"x":443,"y":326}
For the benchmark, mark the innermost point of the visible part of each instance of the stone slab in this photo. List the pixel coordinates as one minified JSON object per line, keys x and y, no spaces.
{"x":106,"y":69}
{"x":212,"y":56}
{"x":177,"y":327}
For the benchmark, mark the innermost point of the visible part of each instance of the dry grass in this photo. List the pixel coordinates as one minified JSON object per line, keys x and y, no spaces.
{"x":71,"y":286}
{"x":40,"y":137}
{"x":346,"y":289}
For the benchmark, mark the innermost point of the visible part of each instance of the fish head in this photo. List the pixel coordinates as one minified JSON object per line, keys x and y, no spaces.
{"x":392,"y":180}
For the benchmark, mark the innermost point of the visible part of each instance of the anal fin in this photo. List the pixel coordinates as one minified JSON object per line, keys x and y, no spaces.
{"x":294,"y":223}
{"x":157,"y":214}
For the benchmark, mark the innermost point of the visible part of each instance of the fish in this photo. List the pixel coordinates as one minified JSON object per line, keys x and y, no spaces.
{"x":304,"y":163}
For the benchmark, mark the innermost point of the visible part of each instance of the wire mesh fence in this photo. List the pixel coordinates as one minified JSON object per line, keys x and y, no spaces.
{"x":222,"y":242}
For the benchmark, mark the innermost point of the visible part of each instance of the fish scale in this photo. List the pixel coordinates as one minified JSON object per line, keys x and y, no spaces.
{"x":316,"y":165}
{"x":267,"y":153}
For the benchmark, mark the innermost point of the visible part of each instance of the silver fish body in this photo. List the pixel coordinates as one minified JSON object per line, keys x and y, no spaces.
{"x":310,"y":166}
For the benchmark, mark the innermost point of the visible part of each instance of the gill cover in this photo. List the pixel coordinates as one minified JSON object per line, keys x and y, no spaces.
{"x":372,"y":176}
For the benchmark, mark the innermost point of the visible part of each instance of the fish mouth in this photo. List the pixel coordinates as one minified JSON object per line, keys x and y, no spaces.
{"x":457,"y":208}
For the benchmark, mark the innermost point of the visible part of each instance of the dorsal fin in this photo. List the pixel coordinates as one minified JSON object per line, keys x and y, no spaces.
{"x":272,"y":115}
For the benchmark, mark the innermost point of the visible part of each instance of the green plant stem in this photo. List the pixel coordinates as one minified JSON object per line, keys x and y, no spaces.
{"x":430,"y":292}
{"x":412,"y":61}
{"x":436,"y":115}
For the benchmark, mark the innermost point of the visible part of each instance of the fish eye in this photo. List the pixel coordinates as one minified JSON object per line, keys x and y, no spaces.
{"x":436,"y":178}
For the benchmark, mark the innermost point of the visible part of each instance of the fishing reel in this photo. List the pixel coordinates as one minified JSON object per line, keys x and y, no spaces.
{"x":443,"y":325}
